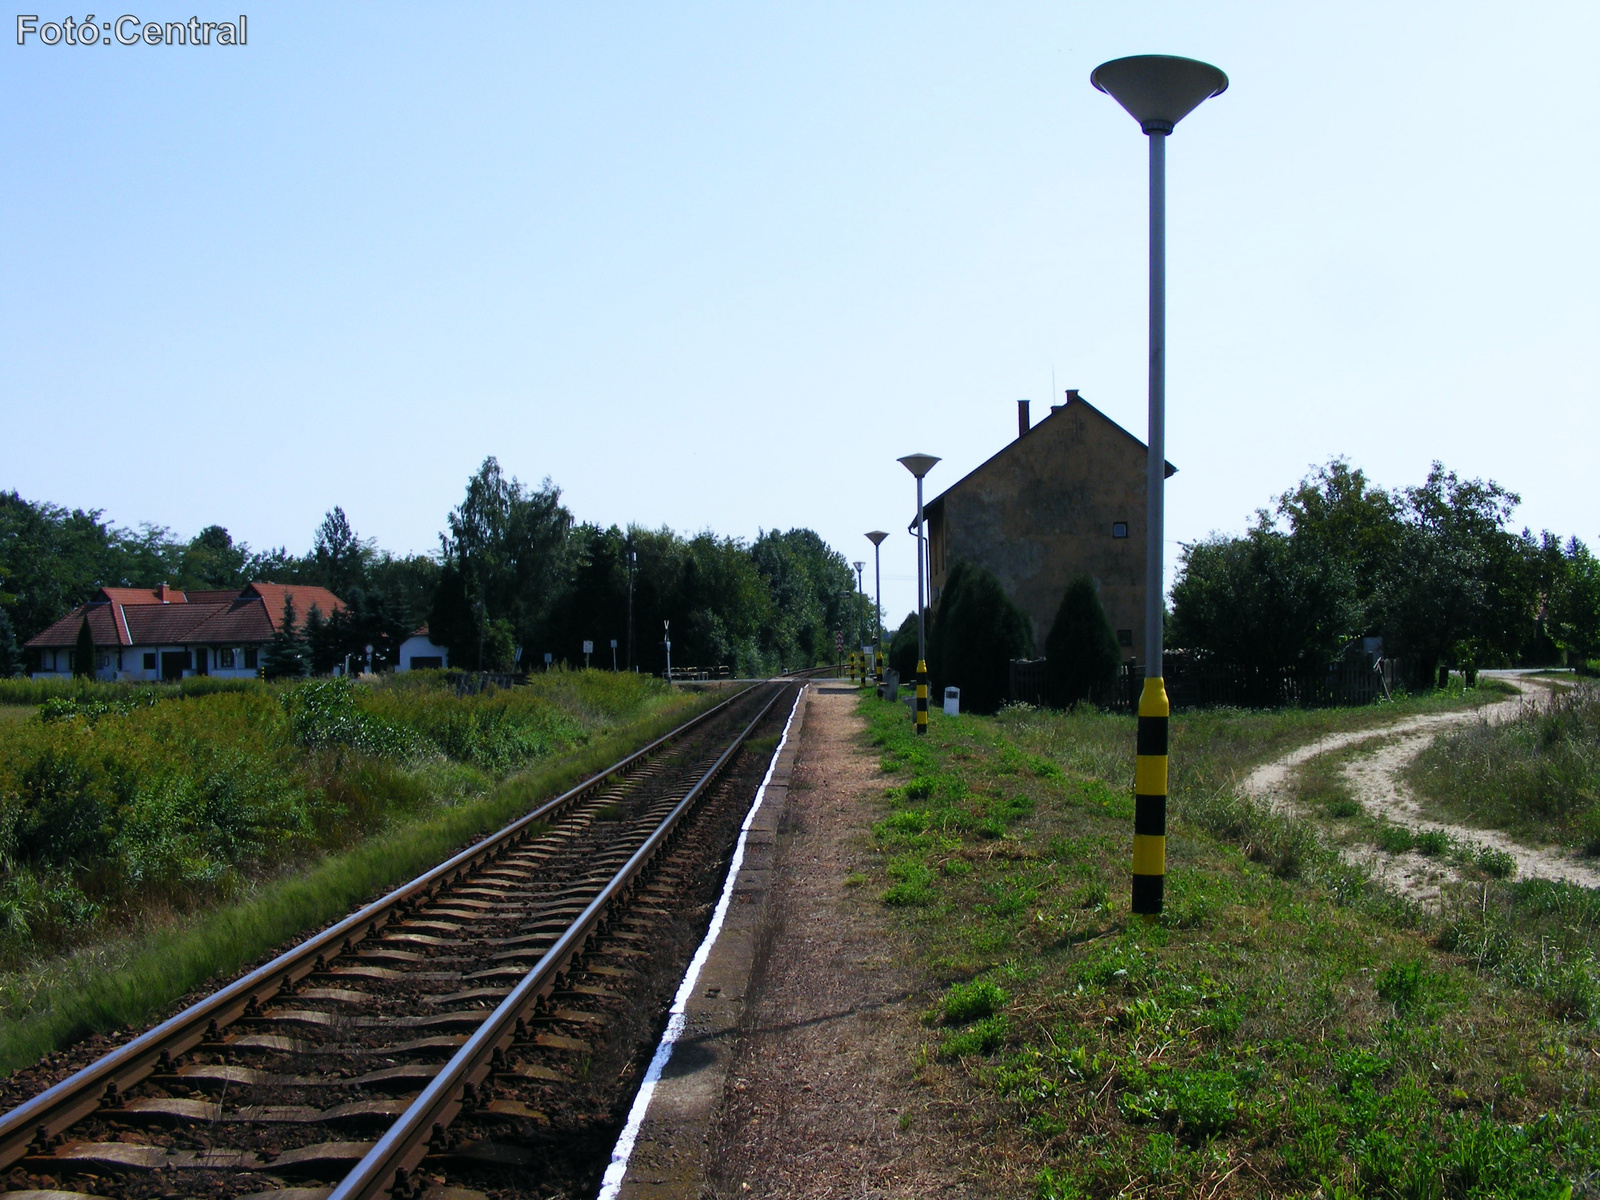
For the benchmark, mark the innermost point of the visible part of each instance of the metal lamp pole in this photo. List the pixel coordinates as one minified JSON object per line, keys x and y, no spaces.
{"x":876,"y":538}
{"x":861,"y":620}
{"x":1158,"y":91}
{"x":919,"y":465}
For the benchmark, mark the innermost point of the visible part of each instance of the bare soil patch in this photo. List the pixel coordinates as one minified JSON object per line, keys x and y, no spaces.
{"x":823,"y":1099}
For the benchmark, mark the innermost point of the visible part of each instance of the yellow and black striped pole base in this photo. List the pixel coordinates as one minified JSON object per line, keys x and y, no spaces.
{"x":922,"y":696}
{"x":1150,"y":800}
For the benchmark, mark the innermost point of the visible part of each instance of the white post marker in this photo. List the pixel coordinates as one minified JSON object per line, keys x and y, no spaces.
{"x":611,"y":1185}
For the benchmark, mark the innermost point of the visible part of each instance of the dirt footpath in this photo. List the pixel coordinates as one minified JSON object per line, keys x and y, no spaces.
{"x":821,"y":1099}
{"x":1375,"y":780}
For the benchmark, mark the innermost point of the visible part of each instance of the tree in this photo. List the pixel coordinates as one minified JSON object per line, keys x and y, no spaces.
{"x":285,"y":656}
{"x":1574,"y":603}
{"x":1462,"y":588}
{"x":338,"y":559}
{"x":211,"y":560}
{"x":83,"y":652}
{"x":510,"y":545}
{"x":1081,"y":652}
{"x":10,"y":655}
{"x":977,"y":631}
{"x":903,"y":649}
{"x":1267,"y":600}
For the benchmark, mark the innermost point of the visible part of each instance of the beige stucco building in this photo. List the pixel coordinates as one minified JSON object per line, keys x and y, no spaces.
{"x":1067,"y":498}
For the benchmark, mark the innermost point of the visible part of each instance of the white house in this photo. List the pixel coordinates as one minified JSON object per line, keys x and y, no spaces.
{"x":162,"y":633}
{"x":418,"y":653}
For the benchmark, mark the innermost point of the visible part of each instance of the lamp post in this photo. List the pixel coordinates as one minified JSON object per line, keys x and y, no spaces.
{"x":876,"y":538}
{"x":1158,"y":91}
{"x":919,"y":465}
{"x":861,"y":620}
{"x":666,"y":637}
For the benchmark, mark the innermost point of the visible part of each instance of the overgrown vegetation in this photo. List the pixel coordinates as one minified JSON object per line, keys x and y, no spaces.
{"x":115,"y":800}
{"x":1536,"y":776}
{"x":125,"y":977}
{"x":1286,"y":1029}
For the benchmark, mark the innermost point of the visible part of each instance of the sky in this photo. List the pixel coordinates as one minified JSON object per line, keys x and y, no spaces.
{"x":718,"y":265}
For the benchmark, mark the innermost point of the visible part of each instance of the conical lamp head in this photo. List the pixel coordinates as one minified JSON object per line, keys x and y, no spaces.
{"x":1158,"y":90}
{"x":919,"y":464}
{"x":877,"y":536}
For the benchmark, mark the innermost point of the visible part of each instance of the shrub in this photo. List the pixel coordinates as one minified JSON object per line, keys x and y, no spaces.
{"x":1081,"y":653}
{"x":903,"y":649}
{"x":977,"y":631}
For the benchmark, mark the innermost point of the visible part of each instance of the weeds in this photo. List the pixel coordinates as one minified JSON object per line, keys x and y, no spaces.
{"x":1537,"y":775}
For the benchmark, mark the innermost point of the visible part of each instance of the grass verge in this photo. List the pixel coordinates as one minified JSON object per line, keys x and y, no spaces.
{"x":1286,"y":1029}
{"x":128,"y":980}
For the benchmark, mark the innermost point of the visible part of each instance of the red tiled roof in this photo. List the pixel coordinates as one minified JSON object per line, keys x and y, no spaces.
{"x":304,"y":597}
{"x":245,"y":620}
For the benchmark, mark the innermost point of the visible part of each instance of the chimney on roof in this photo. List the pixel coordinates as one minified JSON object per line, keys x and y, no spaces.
{"x":1072,"y":394}
{"x":161,"y":594}
{"x":1022,"y":418}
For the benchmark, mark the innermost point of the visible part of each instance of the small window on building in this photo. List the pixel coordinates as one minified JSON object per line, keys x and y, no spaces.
{"x":150,"y":661}
{"x":1119,"y":529}
{"x":250,"y":658}
{"x":1124,"y":637}
{"x":225,"y":657}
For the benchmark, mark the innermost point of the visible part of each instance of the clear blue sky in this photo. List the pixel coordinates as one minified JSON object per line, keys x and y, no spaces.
{"x":718,"y":265}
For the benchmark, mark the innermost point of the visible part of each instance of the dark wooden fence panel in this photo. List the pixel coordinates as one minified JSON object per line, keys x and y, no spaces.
{"x":1194,"y":683}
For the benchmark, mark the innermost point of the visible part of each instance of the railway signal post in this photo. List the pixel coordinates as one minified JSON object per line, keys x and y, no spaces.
{"x":1158,"y":91}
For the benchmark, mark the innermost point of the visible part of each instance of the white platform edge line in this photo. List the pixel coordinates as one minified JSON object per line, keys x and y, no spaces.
{"x":617,"y":1170}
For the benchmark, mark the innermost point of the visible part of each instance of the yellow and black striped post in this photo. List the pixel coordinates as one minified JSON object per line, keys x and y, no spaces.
{"x":1150,"y":800}
{"x":922,"y":696}
{"x":877,"y":665}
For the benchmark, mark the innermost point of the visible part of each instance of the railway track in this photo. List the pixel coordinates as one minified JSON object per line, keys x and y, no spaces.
{"x":477,"y":1030}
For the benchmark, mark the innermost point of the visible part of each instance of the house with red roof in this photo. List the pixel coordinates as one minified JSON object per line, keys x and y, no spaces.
{"x":162,"y":633}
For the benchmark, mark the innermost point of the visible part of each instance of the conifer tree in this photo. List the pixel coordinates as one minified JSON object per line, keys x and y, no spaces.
{"x":1081,"y":653}
{"x":83,"y":652}
{"x":285,"y":657}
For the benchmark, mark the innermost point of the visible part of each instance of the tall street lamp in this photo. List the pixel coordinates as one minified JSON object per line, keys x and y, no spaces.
{"x":876,"y":538}
{"x":919,"y":465}
{"x":1158,"y":91}
{"x":861,"y":620}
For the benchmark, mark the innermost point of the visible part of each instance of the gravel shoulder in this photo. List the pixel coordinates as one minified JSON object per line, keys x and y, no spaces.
{"x":822,"y":1099}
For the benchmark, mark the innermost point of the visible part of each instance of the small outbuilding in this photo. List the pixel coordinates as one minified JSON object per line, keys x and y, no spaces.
{"x":419,"y":653}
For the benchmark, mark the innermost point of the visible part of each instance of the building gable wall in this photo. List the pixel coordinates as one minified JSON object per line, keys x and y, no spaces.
{"x":1042,"y":511}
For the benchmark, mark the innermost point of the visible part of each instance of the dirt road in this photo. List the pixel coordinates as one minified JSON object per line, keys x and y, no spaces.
{"x":1375,"y":781}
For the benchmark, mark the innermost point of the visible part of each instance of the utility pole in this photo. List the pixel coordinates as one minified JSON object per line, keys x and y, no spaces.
{"x":633,"y":560}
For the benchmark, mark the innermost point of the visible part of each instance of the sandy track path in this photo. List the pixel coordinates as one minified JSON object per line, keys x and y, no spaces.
{"x":1375,"y":781}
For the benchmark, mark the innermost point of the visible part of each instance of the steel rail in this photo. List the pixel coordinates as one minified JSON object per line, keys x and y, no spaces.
{"x":406,"y":1142}
{"x":63,"y":1105}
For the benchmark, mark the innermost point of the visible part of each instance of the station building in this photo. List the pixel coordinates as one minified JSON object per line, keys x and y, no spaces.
{"x":1066,"y":498}
{"x":144,"y":634}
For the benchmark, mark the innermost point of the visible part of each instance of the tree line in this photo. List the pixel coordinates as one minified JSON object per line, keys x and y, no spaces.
{"x":1436,"y":570}
{"x":514,"y":569}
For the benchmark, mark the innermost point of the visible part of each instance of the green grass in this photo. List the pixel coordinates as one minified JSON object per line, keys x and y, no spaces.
{"x":1536,"y":776}
{"x":1285,"y":1029}
{"x":125,"y":980}
{"x":117,"y":801}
